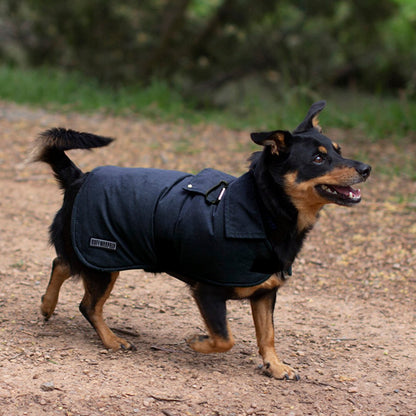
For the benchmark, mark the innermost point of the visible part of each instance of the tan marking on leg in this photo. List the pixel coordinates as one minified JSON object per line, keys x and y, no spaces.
{"x":208,"y":344}
{"x":271,"y":283}
{"x":212,"y":342}
{"x":60,"y":272}
{"x":262,"y":309}
{"x":95,"y":316}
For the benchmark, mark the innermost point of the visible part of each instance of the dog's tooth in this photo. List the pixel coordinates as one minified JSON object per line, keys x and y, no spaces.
{"x":351,"y":195}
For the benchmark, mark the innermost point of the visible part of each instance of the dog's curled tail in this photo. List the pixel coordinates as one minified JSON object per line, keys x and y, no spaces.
{"x":52,"y":144}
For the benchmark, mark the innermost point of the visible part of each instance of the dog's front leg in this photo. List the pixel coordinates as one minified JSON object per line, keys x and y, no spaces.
{"x":212,"y":305}
{"x":262,"y":308}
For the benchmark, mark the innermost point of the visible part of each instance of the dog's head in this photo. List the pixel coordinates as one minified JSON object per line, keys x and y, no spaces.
{"x":309,"y":166}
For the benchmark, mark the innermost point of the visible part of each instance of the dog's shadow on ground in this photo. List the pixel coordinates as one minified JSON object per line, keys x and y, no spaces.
{"x":167,"y":351}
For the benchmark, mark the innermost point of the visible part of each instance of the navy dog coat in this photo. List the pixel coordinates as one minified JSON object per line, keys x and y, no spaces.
{"x":206,"y":227}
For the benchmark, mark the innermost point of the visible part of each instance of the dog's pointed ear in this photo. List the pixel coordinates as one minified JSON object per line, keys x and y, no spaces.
{"x":311,"y":120}
{"x":278,"y":140}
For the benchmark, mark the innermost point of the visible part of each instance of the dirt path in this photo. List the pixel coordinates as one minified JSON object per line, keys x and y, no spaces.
{"x":346,"y":319}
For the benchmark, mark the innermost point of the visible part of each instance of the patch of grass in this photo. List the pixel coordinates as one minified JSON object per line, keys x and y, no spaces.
{"x":55,"y":89}
{"x":248,"y":105}
{"x":379,"y":117}
{"x":46,"y":87}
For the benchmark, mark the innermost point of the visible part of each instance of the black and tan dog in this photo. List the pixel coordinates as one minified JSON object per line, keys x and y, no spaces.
{"x":226,"y":237}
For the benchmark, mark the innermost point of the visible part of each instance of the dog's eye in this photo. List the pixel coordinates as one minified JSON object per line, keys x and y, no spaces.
{"x":318,"y":159}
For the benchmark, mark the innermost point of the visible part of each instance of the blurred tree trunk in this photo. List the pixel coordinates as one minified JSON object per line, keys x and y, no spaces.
{"x":172,"y":20}
{"x":218,"y":18}
{"x":227,"y":12}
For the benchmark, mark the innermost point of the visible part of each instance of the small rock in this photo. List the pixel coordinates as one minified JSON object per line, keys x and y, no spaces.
{"x":48,"y":386}
{"x":147,"y":402}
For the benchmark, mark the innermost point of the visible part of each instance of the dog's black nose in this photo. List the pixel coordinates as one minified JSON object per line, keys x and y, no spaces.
{"x":364,"y":170}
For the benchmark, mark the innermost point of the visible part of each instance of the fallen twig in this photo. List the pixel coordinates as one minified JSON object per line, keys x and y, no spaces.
{"x":157,"y":348}
{"x":319,"y":383}
{"x":126,"y":332}
{"x":166,"y":399}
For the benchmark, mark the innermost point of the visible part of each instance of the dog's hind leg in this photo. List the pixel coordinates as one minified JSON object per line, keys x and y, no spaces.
{"x":60,"y":272}
{"x":98,"y":286}
{"x":262,"y":308}
{"x":212,"y":306}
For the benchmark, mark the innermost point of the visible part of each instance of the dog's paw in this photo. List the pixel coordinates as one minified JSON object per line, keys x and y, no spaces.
{"x":46,"y":314}
{"x":207,"y":345}
{"x":120,"y":344}
{"x":280,"y":371}
{"x":128,"y":347}
{"x":47,"y":308}
{"x":200,"y":343}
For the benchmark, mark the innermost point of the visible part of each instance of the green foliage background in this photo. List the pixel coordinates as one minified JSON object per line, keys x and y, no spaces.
{"x":205,"y":44}
{"x":243,"y":62}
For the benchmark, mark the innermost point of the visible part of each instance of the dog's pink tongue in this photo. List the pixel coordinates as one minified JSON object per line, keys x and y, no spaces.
{"x":347,"y":191}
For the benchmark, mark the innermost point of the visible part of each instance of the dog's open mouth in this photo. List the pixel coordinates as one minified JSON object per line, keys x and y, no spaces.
{"x":342,"y":195}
